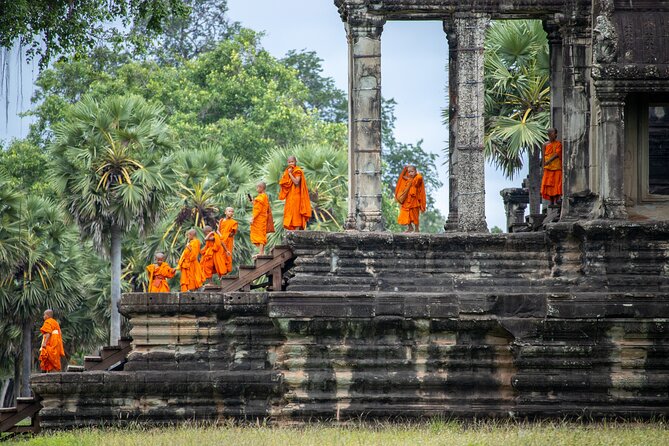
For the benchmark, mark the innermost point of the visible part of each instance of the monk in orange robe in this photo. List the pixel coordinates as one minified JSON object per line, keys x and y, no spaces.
{"x":227,"y":228}
{"x":410,"y":194}
{"x":551,"y":183}
{"x":192,"y":276}
{"x":213,"y":254}
{"x":158,"y":273}
{"x":259,"y":219}
{"x":293,"y":184}
{"x":51,"y":349}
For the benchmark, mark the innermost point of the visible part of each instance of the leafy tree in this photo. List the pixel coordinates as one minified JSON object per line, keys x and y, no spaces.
{"x":236,"y":96}
{"x":23,"y":164}
{"x":106,"y":170}
{"x":45,"y":274}
{"x":323,"y":96}
{"x":184,"y":37}
{"x":58,"y":27}
{"x":517,"y":101}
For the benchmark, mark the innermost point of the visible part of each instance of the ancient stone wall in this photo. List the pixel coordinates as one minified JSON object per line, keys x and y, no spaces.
{"x":572,"y":323}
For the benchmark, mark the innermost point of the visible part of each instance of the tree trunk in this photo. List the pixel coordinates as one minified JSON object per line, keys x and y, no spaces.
{"x":5,"y":390}
{"x":535,"y":174}
{"x":115,"y":320}
{"x":27,"y":356}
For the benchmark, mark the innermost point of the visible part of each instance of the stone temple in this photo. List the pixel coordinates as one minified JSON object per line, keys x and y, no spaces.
{"x":570,"y":321}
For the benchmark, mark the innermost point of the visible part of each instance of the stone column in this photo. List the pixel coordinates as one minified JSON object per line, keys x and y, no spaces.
{"x":469,"y":168}
{"x":611,"y":146}
{"x":575,"y":83}
{"x":556,"y":73}
{"x":452,"y":221}
{"x":364,"y":126}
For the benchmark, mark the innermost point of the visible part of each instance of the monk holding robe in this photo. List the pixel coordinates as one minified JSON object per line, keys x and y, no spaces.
{"x":410,"y":194}
{"x":213,"y":254}
{"x":227,"y":228}
{"x":192,"y":277}
{"x":297,"y":210}
{"x":158,"y":273}
{"x":551,"y":183}
{"x":259,"y":219}
{"x":51,"y":349}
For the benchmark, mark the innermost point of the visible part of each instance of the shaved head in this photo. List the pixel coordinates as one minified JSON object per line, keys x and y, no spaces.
{"x":207,"y":228}
{"x":48,"y":313}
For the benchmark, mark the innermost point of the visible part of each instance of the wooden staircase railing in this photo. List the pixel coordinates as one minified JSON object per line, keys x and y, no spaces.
{"x":272,"y":265}
{"x":26,"y":407}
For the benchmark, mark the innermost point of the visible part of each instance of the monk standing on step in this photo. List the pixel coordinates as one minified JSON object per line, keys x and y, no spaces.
{"x":227,"y":228}
{"x":260,"y":219}
{"x":192,"y":277}
{"x":51,"y":349}
{"x":410,"y":194}
{"x":158,"y":273}
{"x":293,"y":184}
{"x":551,"y":183}
{"x":213,"y":254}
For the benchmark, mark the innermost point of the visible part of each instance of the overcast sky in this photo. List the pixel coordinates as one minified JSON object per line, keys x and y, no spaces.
{"x":414,"y":56}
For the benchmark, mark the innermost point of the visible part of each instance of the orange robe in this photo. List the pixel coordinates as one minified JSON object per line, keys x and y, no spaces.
{"x":213,"y":257}
{"x":228,"y":227}
{"x":415,"y":201}
{"x":260,"y":213}
{"x":158,"y":275}
{"x":551,"y":183}
{"x":297,"y":210}
{"x":49,"y":357}
{"x":192,"y":276}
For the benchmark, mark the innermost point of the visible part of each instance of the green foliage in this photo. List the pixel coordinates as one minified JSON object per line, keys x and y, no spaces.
{"x":517,"y":102}
{"x":60,"y":27}
{"x":323,"y":96}
{"x":106,"y":164}
{"x":185,"y":36}
{"x":23,"y":164}
{"x":236,"y":96}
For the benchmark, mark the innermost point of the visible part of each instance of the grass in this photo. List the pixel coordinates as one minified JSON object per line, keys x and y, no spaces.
{"x":433,"y":433}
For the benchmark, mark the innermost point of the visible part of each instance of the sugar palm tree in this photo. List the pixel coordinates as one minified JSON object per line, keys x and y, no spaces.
{"x":517,"y":101}
{"x":106,"y":169}
{"x":45,"y":274}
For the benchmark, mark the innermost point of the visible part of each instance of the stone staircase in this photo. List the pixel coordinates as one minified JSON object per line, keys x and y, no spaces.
{"x":110,"y":358}
{"x":26,"y":407}
{"x":272,"y":266}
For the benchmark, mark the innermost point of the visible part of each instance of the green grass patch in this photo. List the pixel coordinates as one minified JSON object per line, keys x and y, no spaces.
{"x":386,"y":434}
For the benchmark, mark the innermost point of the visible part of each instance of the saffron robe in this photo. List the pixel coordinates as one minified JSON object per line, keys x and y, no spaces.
{"x":49,"y":357}
{"x":158,"y":275}
{"x":192,"y":276}
{"x":414,"y":201}
{"x":260,"y":213}
{"x":228,"y":227}
{"x":551,"y":183}
{"x":297,"y":211}
{"x":213,"y":256}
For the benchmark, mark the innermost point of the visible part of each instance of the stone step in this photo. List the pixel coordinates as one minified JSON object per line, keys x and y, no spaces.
{"x":75,"y":368}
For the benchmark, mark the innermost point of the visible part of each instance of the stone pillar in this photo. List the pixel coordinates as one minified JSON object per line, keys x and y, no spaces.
{"x":469,"y":170}
{"x":364,"y":126}
{"x":575,"y":83}
{"x":556,"y":73}
{"x":452,"y":221}
{"x":611,"y":146}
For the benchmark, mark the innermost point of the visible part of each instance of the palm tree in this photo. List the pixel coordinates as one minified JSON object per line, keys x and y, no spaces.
{"x":45,"y":274}
{"x":517,"y":101}
{"x":326,"y":170}
{"x":106,"y":169}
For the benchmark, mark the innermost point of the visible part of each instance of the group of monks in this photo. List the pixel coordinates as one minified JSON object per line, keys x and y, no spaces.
{"x":198,"y":264}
